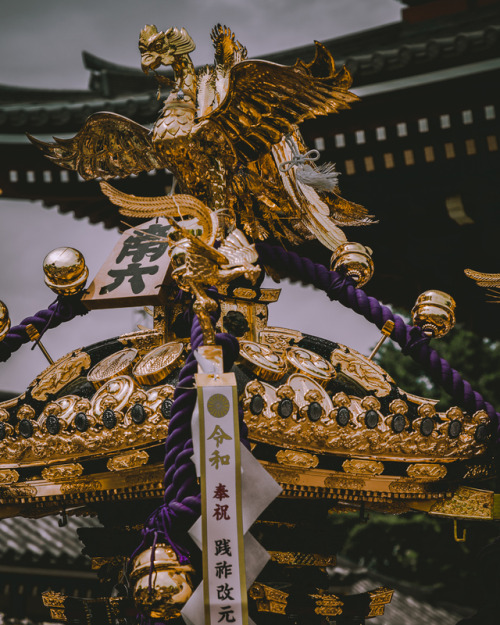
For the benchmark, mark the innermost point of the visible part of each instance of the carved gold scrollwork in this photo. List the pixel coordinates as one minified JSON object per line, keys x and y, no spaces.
{"x":62,"y":472}
{"x":426,"y":471}
{"x":297,"y":459}
{"x":129,"y":460}
{"x":466,"y":503}
{"x":362,"y":467}
{"x":58,"y":375}
{"x":364,"y":371}
{"x":8,"y":476}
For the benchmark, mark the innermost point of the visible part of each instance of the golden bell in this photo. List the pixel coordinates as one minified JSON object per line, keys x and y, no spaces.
{"x":354,"y":260}
{"x":434,"y":313}
{"x":4,"y":321}
{"x":65,"y":271}
{"x":163,"y":593}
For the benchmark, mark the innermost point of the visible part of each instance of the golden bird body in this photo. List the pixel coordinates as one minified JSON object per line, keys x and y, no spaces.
{"x":229,"y":135}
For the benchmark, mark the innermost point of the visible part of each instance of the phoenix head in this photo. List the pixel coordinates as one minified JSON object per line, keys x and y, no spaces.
{"x":161,"y":47}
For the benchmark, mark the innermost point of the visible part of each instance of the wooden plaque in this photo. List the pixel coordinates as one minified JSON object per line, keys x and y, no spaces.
{"x":136,"y":271}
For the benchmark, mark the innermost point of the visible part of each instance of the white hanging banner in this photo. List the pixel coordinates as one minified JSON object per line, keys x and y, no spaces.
{"x":224,"y":583}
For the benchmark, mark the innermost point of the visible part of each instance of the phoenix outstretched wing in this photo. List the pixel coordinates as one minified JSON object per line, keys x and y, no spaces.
{"x":108,"y":145}
{"x":265,"y":101}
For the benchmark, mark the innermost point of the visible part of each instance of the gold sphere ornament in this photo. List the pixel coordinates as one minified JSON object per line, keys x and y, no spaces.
{"x":163,"y":587}
{"x":65,"y":271}
{"x":4,"y":321}
{"x":434,"y":313}
{"x":355,"y":261}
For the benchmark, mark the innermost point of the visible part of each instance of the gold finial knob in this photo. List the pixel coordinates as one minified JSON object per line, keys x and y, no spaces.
{"x":65,"y":271}
{"x":171,"y":586}
{"x":434,"y":313}
{"x":4,"y":321}
{"x":354,"y":260}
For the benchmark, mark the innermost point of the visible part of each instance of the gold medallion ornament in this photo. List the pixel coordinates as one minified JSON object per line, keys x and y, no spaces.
{"x":262,"y":361}
{"x":117,"y":364}
{"x":218,"y":405}
{"x":65,"y":271}
{"x":158,"y":363}
{"x":310,"y":363}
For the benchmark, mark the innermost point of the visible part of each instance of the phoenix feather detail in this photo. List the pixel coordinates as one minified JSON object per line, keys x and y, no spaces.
{"x":229,"y":134}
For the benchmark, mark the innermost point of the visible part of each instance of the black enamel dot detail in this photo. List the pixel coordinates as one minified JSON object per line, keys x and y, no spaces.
{"x":25,"y":428}
{"x":314,"y":411}
{"x":81,"y":422}
{"x":454,"y":429}
{"x":138,"y":413}
{"x":3,"y":431}
{"x":109,"y":418}
{"x":285,"y":408}
{"x":481,"y":433}
{"x":371,"y":419}
{"x":166,"y":407}
{"x":398,"y":423}
{"x":427,"y":426}
{"x":52,"y":424}
{"x":343,"y":416}
{"x":256,"y":404}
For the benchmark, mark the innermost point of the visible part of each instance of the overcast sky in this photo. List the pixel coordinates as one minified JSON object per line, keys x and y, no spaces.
{"x":41,"y":43}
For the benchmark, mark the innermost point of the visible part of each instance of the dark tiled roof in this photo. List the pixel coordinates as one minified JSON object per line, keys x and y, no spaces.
{"x":42,"y":542}
{"x":408,"y":606}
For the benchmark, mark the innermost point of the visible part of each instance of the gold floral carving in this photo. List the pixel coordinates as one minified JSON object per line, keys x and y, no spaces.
{"x":363,"y":467}
{"x":296,"y":558}
{"x":279,"y":339}
{"x":81,"y":487}
{"x":58,"y":375}
{"x":344,"y":483}
{"x":268,"y":599}
{"x":327,"y":604}
{"x":379,"y":598}
{"x":466,"y":503}
{"x":406,"y":486}
{"x":8,"y":476}
{"x":142,"y":341}
{"x":426,"y":471}
{"x":53,"y":599}
{"x":328,"y":436}
{"x":55,"y":602}
{"x":284,"y":476}
{"x":19,"y":492}
{"x":129,"y":460}
{"x":297,"y":459}
{"x":62,"y":472}
{"x":364,"y":371}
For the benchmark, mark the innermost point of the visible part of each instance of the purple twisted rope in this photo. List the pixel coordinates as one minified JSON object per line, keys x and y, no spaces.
{"x":410,"y":338}
{"x":182,"y":499}
{"x":63,"y":309}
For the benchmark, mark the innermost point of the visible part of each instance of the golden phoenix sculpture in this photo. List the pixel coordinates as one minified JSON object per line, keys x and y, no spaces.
{"x":229,"y":133}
